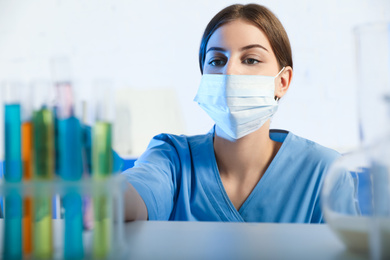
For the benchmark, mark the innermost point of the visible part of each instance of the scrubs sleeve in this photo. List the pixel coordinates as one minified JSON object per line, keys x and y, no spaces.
{"x":318,"y":216}
{"x":346,"y":190}
{"x":343,"y":194}
{"x":153,"y":176}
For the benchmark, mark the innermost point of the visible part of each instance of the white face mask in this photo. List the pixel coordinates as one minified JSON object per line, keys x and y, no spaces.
{"x":238,"y":104}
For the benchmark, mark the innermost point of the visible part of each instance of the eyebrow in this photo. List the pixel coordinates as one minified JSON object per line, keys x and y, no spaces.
{"x":254,"y":46}
{"x":242,"y":49}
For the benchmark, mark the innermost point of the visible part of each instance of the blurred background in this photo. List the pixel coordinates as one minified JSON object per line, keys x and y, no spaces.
{"x":149,"y":51}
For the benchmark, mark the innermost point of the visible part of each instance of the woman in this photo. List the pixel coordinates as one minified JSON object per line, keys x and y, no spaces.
{"x":240,"y":170}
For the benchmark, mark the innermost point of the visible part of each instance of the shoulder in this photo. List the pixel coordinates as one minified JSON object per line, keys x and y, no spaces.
{"x":170,"y":139}
{"x":307,"y":150}
{"x":172,"y":145}
{"x":313,"y":150}
{"x":179,"y":141}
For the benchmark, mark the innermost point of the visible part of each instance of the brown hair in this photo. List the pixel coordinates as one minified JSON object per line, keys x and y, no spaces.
{"x":259,"y":16}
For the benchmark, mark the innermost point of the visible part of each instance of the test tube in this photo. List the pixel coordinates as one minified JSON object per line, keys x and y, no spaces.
{"x":69,"y":157}
{"x":102,"y":165}
{"x":26,"y":130}
{"x":12,"y":117}
{"x":86,"y":154}
{"x":44,"y":159}
{"x":102,"y":159}
{"x":12,"y":248}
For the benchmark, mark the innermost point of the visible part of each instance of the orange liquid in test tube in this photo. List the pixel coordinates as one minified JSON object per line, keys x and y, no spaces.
{"x":27,"y":175}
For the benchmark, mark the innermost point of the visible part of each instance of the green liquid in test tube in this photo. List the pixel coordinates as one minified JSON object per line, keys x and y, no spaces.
{"x":43,"y":133}
{"x":101,"y":154}
{"x":102,"y":167}
{"x":43,"y":122}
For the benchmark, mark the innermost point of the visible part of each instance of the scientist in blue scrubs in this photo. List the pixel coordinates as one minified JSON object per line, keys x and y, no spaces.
{"x":240,"y":170}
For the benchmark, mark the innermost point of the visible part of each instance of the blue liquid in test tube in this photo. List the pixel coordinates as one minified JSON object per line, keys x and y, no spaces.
{"x":73,"y":247}
{"x":69,"y":155}
{"x":71,"y":169}
{"x":13,"y":226}
{"x":13,"y":145}
{"x":70,"y":148}
{"x":13,"y":173}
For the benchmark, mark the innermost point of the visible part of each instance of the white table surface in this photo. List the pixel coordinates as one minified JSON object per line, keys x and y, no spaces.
{"x":216,"y":240}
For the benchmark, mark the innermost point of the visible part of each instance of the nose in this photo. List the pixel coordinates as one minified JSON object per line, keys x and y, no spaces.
{"x":231,"y":68}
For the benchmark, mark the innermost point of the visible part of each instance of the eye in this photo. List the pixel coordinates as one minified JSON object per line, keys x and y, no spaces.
{"x":250,"y":61}
{"x":216,"y":62}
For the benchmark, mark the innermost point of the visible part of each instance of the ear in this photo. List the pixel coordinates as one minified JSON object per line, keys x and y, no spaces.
{"x":282,"y":82}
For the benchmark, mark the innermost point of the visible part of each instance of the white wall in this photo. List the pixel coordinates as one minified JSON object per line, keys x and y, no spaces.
{"x":154,"y":44}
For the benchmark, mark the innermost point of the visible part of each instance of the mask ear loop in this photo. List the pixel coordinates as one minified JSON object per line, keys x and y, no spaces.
{"x":279,"y":72}
{"x":278,"y":98}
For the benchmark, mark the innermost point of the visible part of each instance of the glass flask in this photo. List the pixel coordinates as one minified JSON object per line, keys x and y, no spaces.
{"x":360,"y":215}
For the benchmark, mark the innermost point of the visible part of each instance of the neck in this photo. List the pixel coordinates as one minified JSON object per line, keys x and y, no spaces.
{"x":247,"y":157}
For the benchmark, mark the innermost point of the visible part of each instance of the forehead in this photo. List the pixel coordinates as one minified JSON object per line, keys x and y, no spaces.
{"x":237,"y":34}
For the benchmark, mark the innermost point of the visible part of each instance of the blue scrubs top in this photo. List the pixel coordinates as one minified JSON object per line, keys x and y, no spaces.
{"x":178,"y":179}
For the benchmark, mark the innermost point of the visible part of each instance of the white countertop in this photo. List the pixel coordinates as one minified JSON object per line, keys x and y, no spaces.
{"x":216,"y":240}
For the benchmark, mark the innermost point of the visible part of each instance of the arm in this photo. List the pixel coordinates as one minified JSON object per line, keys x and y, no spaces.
{"x":153,"y":181}
{"x":134,"y":208}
